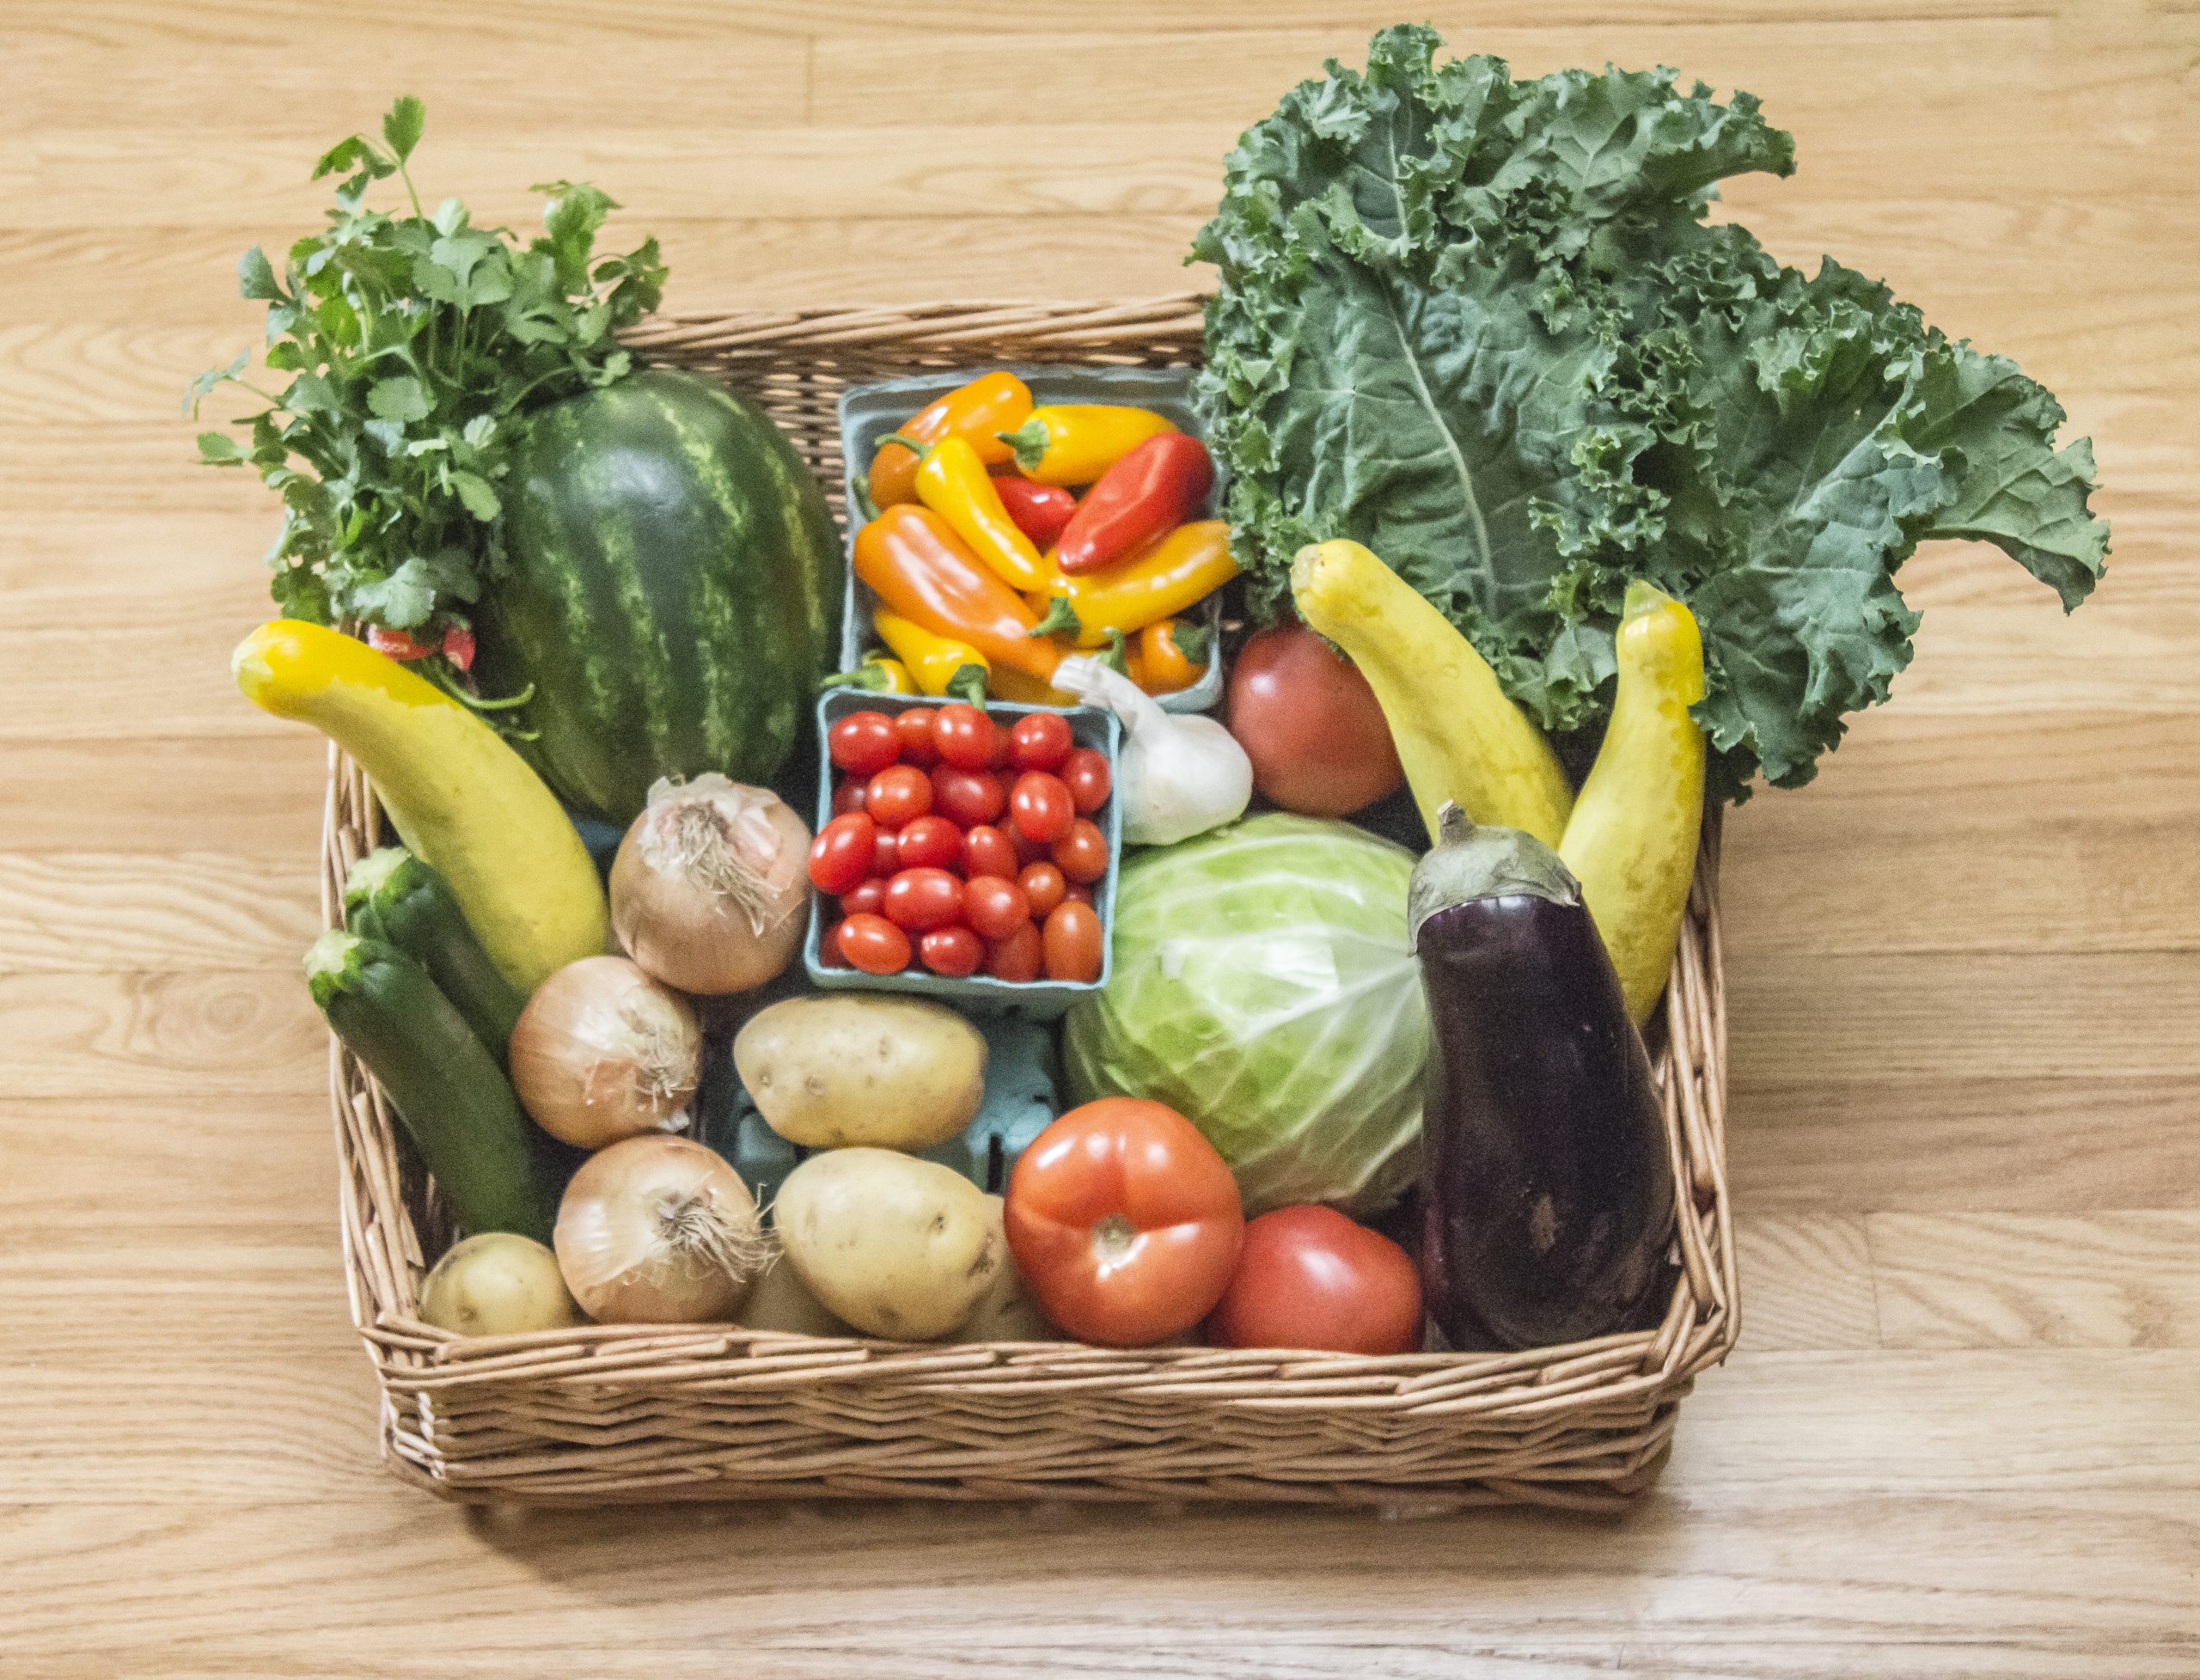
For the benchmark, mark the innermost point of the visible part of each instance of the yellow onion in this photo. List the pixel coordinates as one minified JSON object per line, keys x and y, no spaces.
{"x":710,"y":884}
{"x":602,"y":1052}
{"x":659,"y":1231}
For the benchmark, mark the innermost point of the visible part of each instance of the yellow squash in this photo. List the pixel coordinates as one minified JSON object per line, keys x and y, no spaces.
{"x":459,"y":798}
{"x":1458,"y":734}
{"x":1631,"y":841}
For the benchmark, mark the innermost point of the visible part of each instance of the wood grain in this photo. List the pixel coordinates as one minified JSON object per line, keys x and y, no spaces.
{"x":1959,"y":1438}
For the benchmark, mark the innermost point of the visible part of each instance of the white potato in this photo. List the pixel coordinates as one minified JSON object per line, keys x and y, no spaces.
{"x":836,"y":1072}
{"x":781,"y":1300}
{"x":498,"y":1284}
{"x":1006,"y":1311}
{"x":898,"y":1247}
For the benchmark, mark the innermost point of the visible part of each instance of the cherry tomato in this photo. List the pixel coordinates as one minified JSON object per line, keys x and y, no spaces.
{"x":1039,"y":741}
{"x":1085,"y":773}
{"x":1077,"y":893}
{"x":923,"y":899}
{"x":1124,"y":1222}
{"x":1043,"y":885}
{"x":995,"y":907}
{"x":1039,"y":803}
{"x":1309,"y":1277}
{"x":873,"y":945}
{"x":1070,"y":944}
{"x":999,"y":759}
{"x":1017,"y":957}
{"x":963,"y":736}
{"x":862,"y":744}
{"x":840,"y":855}
{"x":887,"y":857}
{"x":828,"y":947}
{"x":1027,"y":850}
{"x":971,"y":797}
{"x":988,"y":851}
{"x":914,"y":728}
{"x":1082,"y":854}
{"x":1306,"y":717}
{"x":896,"y":795}
{"x":847,"y":798}
{"x":954,"y":951}
{"x":866,"y":895}
{"x":929,"y":842}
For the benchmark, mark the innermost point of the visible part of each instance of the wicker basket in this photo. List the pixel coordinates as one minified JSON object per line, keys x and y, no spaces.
{"x":643,"y":1412}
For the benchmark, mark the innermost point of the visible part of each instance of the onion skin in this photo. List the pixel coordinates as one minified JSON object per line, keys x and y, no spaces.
{"x":711,"y":940}
{"x":602,"y":1053}
{"x":659,"y":1231}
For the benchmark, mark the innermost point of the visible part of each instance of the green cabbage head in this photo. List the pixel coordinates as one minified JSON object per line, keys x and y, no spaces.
{"x":1264,"y":987}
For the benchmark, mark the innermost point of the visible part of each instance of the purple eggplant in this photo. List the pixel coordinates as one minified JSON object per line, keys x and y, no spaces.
{"x":1547,"y":1192}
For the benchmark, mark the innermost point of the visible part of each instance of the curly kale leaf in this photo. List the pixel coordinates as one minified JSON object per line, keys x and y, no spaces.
{"x":1482,"y":326}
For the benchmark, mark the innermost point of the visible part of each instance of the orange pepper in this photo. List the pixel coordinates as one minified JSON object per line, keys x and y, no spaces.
{"x":1168,"y":655}
{"x":991,"y":404}
{"x":919,"y":568}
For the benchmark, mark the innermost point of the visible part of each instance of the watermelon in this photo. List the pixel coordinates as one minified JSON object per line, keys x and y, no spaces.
{"x":672,"y":591}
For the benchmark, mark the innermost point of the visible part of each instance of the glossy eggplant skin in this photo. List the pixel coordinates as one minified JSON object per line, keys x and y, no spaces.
{"x":1547,"y":1187}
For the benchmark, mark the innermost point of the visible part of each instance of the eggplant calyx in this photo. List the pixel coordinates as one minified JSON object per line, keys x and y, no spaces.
{"x":1474,"y":861}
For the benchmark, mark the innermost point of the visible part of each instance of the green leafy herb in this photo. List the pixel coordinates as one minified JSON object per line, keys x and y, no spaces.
{"x":1482,"y":326}
{"x":415,"y":343}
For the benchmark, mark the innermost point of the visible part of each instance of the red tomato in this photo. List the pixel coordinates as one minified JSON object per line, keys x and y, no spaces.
{"x":1027,"y":850}
{"x":923,"y":899}
{"x":929,"y":842}
{"x":1082,"y":854}
{"x":866,"y":895}
{"x":1043,"y":885}
{"x":840,"y":855}
{"x":1077,"y":893}
{"x":988,"y":851}
{"x":1039,"y":741}
{"x":897,"y":794}
{"x":914,"y":726}
{"x":1124,"y":1222}
{"x":995,"y":907}
{"x":953,"y":951}
{"x":873,"y":945}
{"x":1017,"y":957}
{"x":828,"y":947}
{"x":1309,"y":1277}
{"x":971,"y":797}
{"x":862,"y":744}
{"x":1070,"y":945}
{"x":963,"y":736}
{"x":1041,"y":805}
{"x":847,"y":798}
{"x":1085,"y":773}
{"x":1318,"y":740}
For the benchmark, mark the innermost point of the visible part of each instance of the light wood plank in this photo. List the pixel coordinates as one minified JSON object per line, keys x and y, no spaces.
{"x":153,"y":793}
{"x":2114,"y":1280}
{"x":86,"y":912}
{"x":1810,"y":1281}
{"x":242,"y":1032}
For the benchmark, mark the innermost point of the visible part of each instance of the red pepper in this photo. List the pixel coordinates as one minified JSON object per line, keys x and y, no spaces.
{"x":457,"y":645}
{"x":1040,"y":510}
{"x":1157,"y":487}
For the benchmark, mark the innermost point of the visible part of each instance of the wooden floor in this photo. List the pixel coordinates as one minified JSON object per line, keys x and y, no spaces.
{"x":1962,"y":1433}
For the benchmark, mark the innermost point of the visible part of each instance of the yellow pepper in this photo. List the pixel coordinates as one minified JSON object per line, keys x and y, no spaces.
{"x":1073,"y":443}
{"x":1183,"y":567}
{"x":940,"y":664}
{"x":879,"y":674}
{"x":952,"y":482}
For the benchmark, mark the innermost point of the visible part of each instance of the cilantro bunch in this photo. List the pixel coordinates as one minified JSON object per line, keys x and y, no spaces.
{"x":415,"y":343}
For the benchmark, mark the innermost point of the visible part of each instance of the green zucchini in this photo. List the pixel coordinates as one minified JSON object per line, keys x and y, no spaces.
{"x":447,"y":1090}
{"x":394,"y":896}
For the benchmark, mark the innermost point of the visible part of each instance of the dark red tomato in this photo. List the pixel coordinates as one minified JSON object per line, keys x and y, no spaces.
{"x":1040,"y":741}
{"x":1309,"y":1277}
{"x":953,"y":951}
{"x":1082,"y":854}
{"x":963,"y":736}
{"x":1318,"y":740}
{"x":898,"y":794}
{"x":998,"y":761}
{"x":1085,"y":773}
{"x":988,"y":851}
{"x":929,"y":842}
{"x":874,"y":944}
{"x":914,"y":728}
{"x":868,"y":897}
{"x":886,"y":858}
{"x":1039,"y":804}
{"x":923,"y":899}
{"x":1071,"y":944}
{"x":840,"y":855}
{"x":971,"y":797}
{"x":1018,"y":956}
{"x":1027,"y":850}
{"x":995,"y":907}
{"x":828,"y":948}
{"x":1077,"y":893}
{"x":847,"y":798}
{"x":862,"y":744}
{"x":1043,"y":886}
